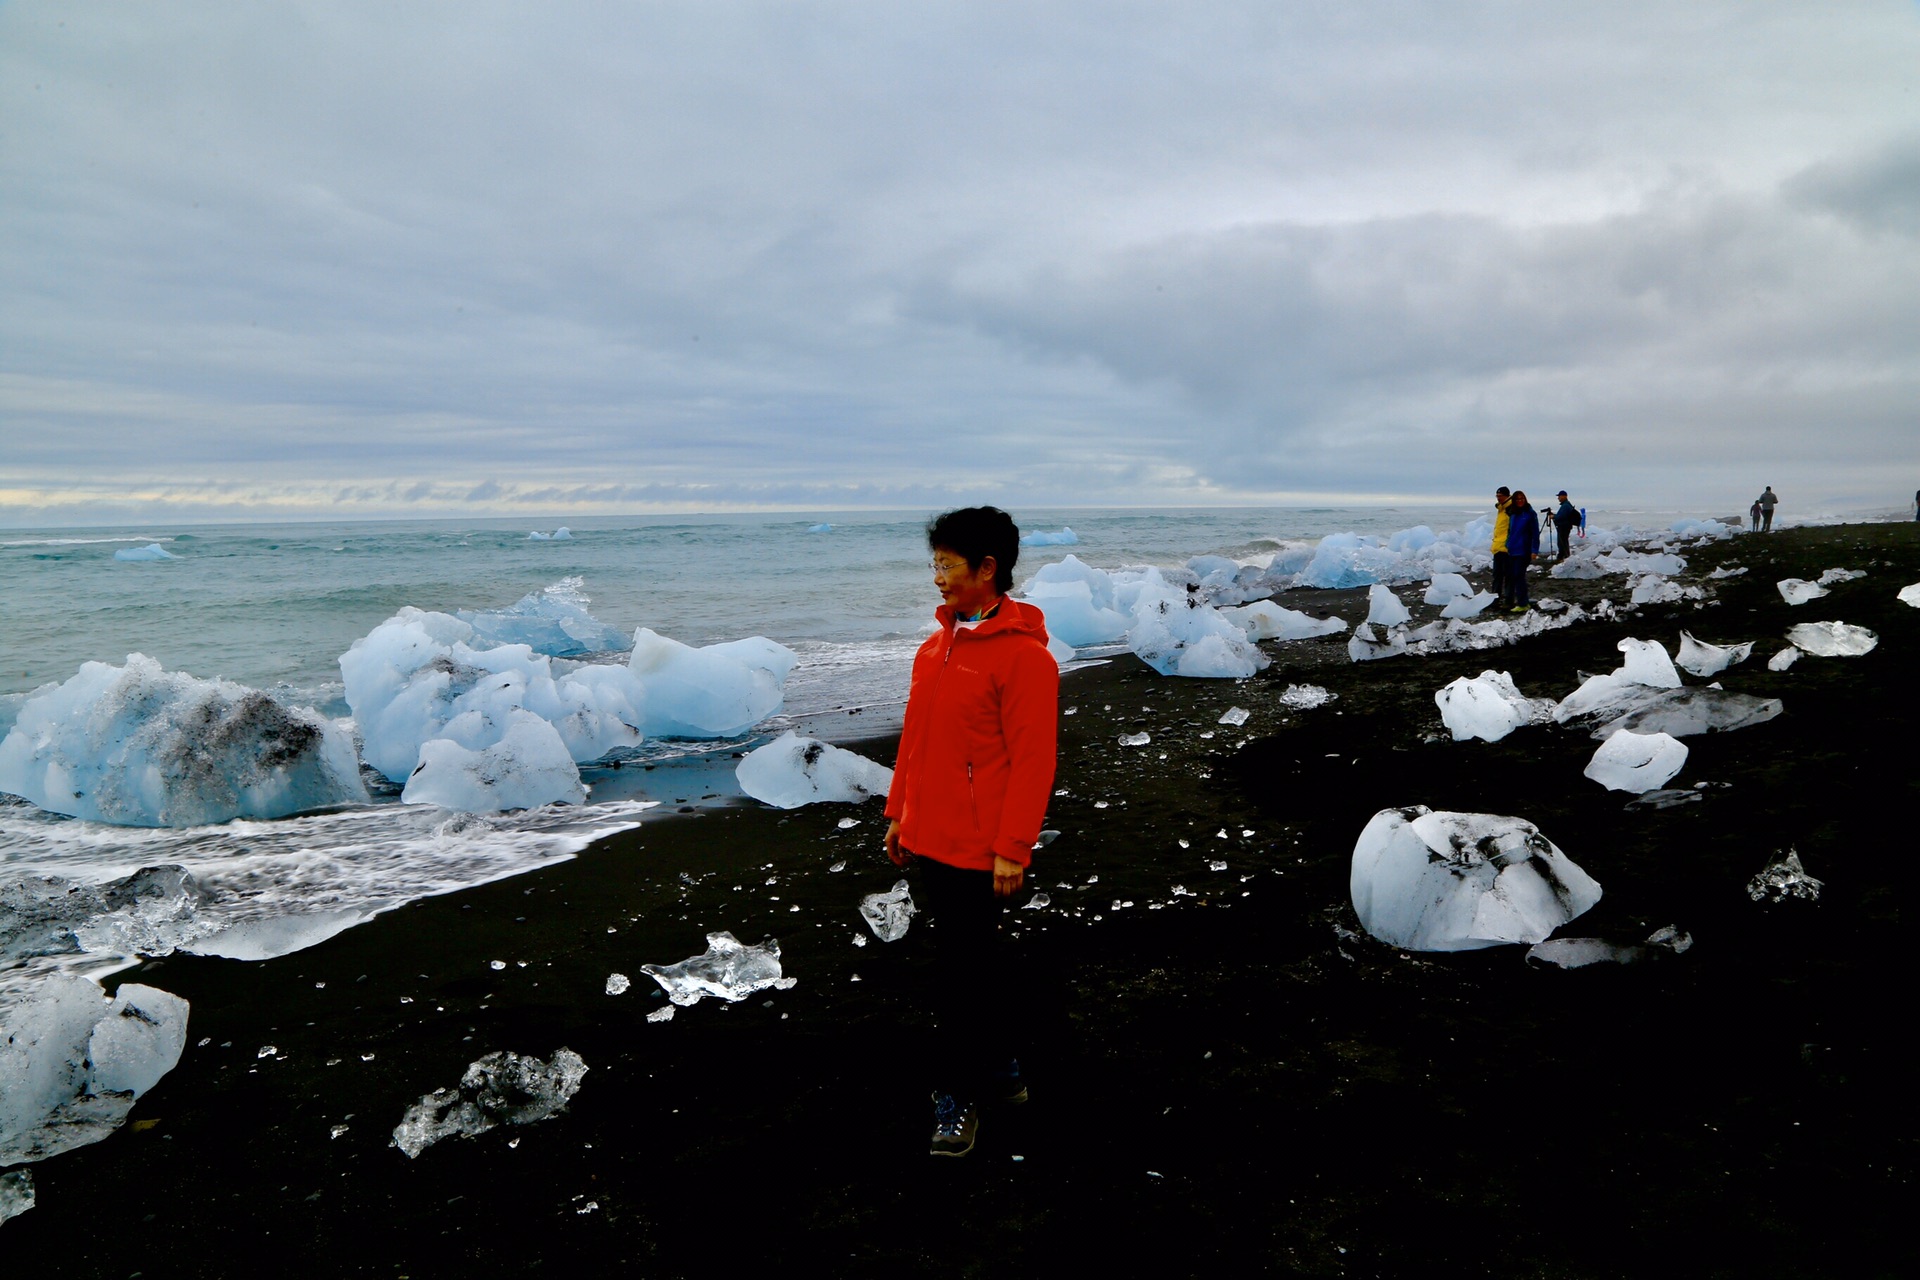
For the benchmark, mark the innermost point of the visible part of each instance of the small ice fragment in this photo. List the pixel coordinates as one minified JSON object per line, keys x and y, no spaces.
{"x":1784,"y":879}
{"x":617,"y":984}
{"x":839,"y":866}
{"x":336,"y":1131}
{"x":1185,"y":845}
{"x":859,"y":939}
{"x":1216,"y":866}
{"x":1037,"y":902}
{"x":1099,"y":804}
{"x":1181,"y":891}
{"x":728,"y":969}
{"x":1235,"y":716}
{"x":1046,"y":838}
{"x":366,"y":1057}
{"x":1799,"y":591}
{"x":663,"y":1014}
{"x":1140,"y":739}
{"x":1832,"y":639}
{"x":267,"y":1051}
{"x":1708,"y":659}
{"x":888,"y":914}
{"x":500,"y":1088}
{"x":1783,"y":659}
{"x":16,"y":1192}
{"x":848,"y":824}
{"x":497,"y":965}
{"x":1305,"y":697}
{"x":1833,"y":576}
{"x":1637,"y":762}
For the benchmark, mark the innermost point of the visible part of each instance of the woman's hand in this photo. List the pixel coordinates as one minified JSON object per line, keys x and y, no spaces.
{"x":894,"y":851}
{"x":1007,"y":877}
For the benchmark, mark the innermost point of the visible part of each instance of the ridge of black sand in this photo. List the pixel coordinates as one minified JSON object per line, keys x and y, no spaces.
{"x":1235,"y":1083}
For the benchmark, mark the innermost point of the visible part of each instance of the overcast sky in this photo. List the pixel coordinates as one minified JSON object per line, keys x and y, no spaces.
{"x":343,"y":259}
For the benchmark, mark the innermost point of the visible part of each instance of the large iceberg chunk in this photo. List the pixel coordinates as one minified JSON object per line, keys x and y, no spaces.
{"x":791,"y":771}
{"x":1832,"y":639}
{"x":501,"y":1088}
{"x":417,"y":677}
{"x":140,"y":746}
{"x":1637,"y":762}
{"x":1488,"y":707}
{"x":1462,"y":881}
{"x":888,"y":914}
{"x":728,"y":969}
{"x":1178,"y":634}
{"x":720,"y":691}
{"x":525,"y":766}
{"x":1078,"y":601}
{"x":1704,"y":659}
{"x":1265,"y":620}
{"x":553,"y":621}
{"x":74,"y":1060}
{"x":1799,"y":590}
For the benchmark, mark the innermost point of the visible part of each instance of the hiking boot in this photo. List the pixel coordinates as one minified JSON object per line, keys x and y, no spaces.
{"x":954,"y":1124}
{"x":1009,"y":1089}
{"x":1519,"y":608}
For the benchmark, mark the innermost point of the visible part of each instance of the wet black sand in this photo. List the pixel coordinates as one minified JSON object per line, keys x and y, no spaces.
{"x":1232,"y":1084}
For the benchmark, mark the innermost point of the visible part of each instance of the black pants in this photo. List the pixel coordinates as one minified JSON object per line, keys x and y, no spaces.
{"x":1517,"y":577}
{"x":1500,"y":575}
{"x":1566,"y":536}
{"x":970,"y":987}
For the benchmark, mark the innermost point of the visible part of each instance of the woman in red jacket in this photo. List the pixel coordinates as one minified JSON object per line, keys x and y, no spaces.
{"x":969,"y":794}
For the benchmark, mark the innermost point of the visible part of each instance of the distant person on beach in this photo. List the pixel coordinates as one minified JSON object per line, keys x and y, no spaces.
{"x":1916,"y":504}
{"x":1753,"y":514}
{"x":1499,"y":545}
{"x":970,"y":790}
{"x":1564,"y":520}
{"x":1523,"y":543}
{"x":1766,"y":503}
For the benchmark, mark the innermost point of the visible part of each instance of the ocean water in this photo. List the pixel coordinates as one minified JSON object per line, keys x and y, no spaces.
{"x":274,"y":606}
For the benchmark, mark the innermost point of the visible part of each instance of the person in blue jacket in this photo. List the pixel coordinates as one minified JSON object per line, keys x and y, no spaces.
{"x":1565,"y":519}
{"x":1523,"y":544}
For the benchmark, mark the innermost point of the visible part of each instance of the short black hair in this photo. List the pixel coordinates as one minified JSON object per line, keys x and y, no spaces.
{"x":974,"y":533}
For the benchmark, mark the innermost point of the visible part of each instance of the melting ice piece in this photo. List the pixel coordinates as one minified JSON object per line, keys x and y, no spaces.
{"x":1488,"y":707}
{"x":888,"y":914}
{"x":1783,"y":659}
{"x":1469,"y":606}
{"x":501,"y":1088}
{"x":1235,"y":716}
{"x":1704,"y":659}
{"x":1832,"y":576}
{"x":1647,"y":663}
{"x":792,"y":771}
{"x":1363,"y":646}
{"x":617,"y":984}
{"x":1910,"y":595}
{"x":1784,"y":879}
{"x":1179,"y":634}
{"x":663,"y":1014}
{"x":1727,"y":571}
{"x":553,"y":621}
{"x":1832,"y":639}
{"x":1799,"y":590}
{"x":144,"y":747}
{"x":1384,"y":608}
{"x":1666,"y":798}
{"x":719,"y":691}
{"x":73,"y":1060}
{"x":1629,"y":761}
{"x":1305,"y":697}
{"x":1578,"y":953}
{"x":526,"y":767}
{"x":1685,"y":712}
{"x":1037,"y":902}
{"x":1140,"y":739}
{"x":728,"y":969}
{"x":1265,"y":620}
{"x":16,"y":1193}
{"x":1446,"y":588}
{"x":1462,"y":881}
{"x":152,"y":551}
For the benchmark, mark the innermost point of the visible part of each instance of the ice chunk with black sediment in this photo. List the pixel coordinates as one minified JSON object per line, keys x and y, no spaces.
{"x":1469,"y":606}
{"x":527,"y":766}
{"x":1704,"y":659}
{"x":1446,"y":588}
{"x":1784,"y":879}
{"x":1365,"y":646}
{"x":1578,"y":953}
{"x":1799,"y":590}
{"x":1687,"y":712}
{"x":16,"y":1193}
{"x":73,"y":1061}
{"x":1384,"y":608}
{"x":1606,"y":697}
{"x":719,"y":691}
{"x":1636,"y":762}
{"x":1462,"y":881}
{"x":553,"y":621}
{"x":1178,"y":633}
{"x":728,"y":969}
{"x":145,"y":747}
{"x":1265,"y":620}
{"x":889,"y":914}
{"x":501,"y":1088}
{"x":1832,"y":639}
{"x":792,"y":771}
{"x":1489,"y":707}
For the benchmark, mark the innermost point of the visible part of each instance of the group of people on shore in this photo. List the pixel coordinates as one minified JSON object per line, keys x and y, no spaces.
{"x":1761,"y":512}
{"x":1516,"y":541}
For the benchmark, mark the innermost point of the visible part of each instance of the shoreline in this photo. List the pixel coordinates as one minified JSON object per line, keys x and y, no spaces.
{"x":1227,"y":1079}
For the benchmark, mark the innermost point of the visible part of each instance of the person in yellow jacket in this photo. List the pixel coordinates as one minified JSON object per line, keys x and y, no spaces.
{"x":1501,"y":587}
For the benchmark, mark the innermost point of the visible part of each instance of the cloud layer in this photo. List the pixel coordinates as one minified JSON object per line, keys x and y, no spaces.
{"x":342,"y":259}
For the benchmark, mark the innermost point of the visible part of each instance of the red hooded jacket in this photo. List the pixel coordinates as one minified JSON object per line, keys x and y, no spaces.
{"x":977,"y":750}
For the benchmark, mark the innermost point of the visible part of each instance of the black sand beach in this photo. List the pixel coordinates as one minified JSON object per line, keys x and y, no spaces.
{"x":1229,"y":1081}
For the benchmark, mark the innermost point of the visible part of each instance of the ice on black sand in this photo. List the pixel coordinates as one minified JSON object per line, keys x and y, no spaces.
{"x":1489,"y":707}
{"x":16,"y":1193}
{"x":888,"y":914}
{"x":1578,"y":953}
{"x":1784,"y":879}
{"x":792,"y":771}
{"x":501,"y":1088}
{"x":728,"y":969}
{"x":1637,"y":762}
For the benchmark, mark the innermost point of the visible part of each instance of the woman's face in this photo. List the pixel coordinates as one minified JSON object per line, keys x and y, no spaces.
{"x":964,"y":588}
